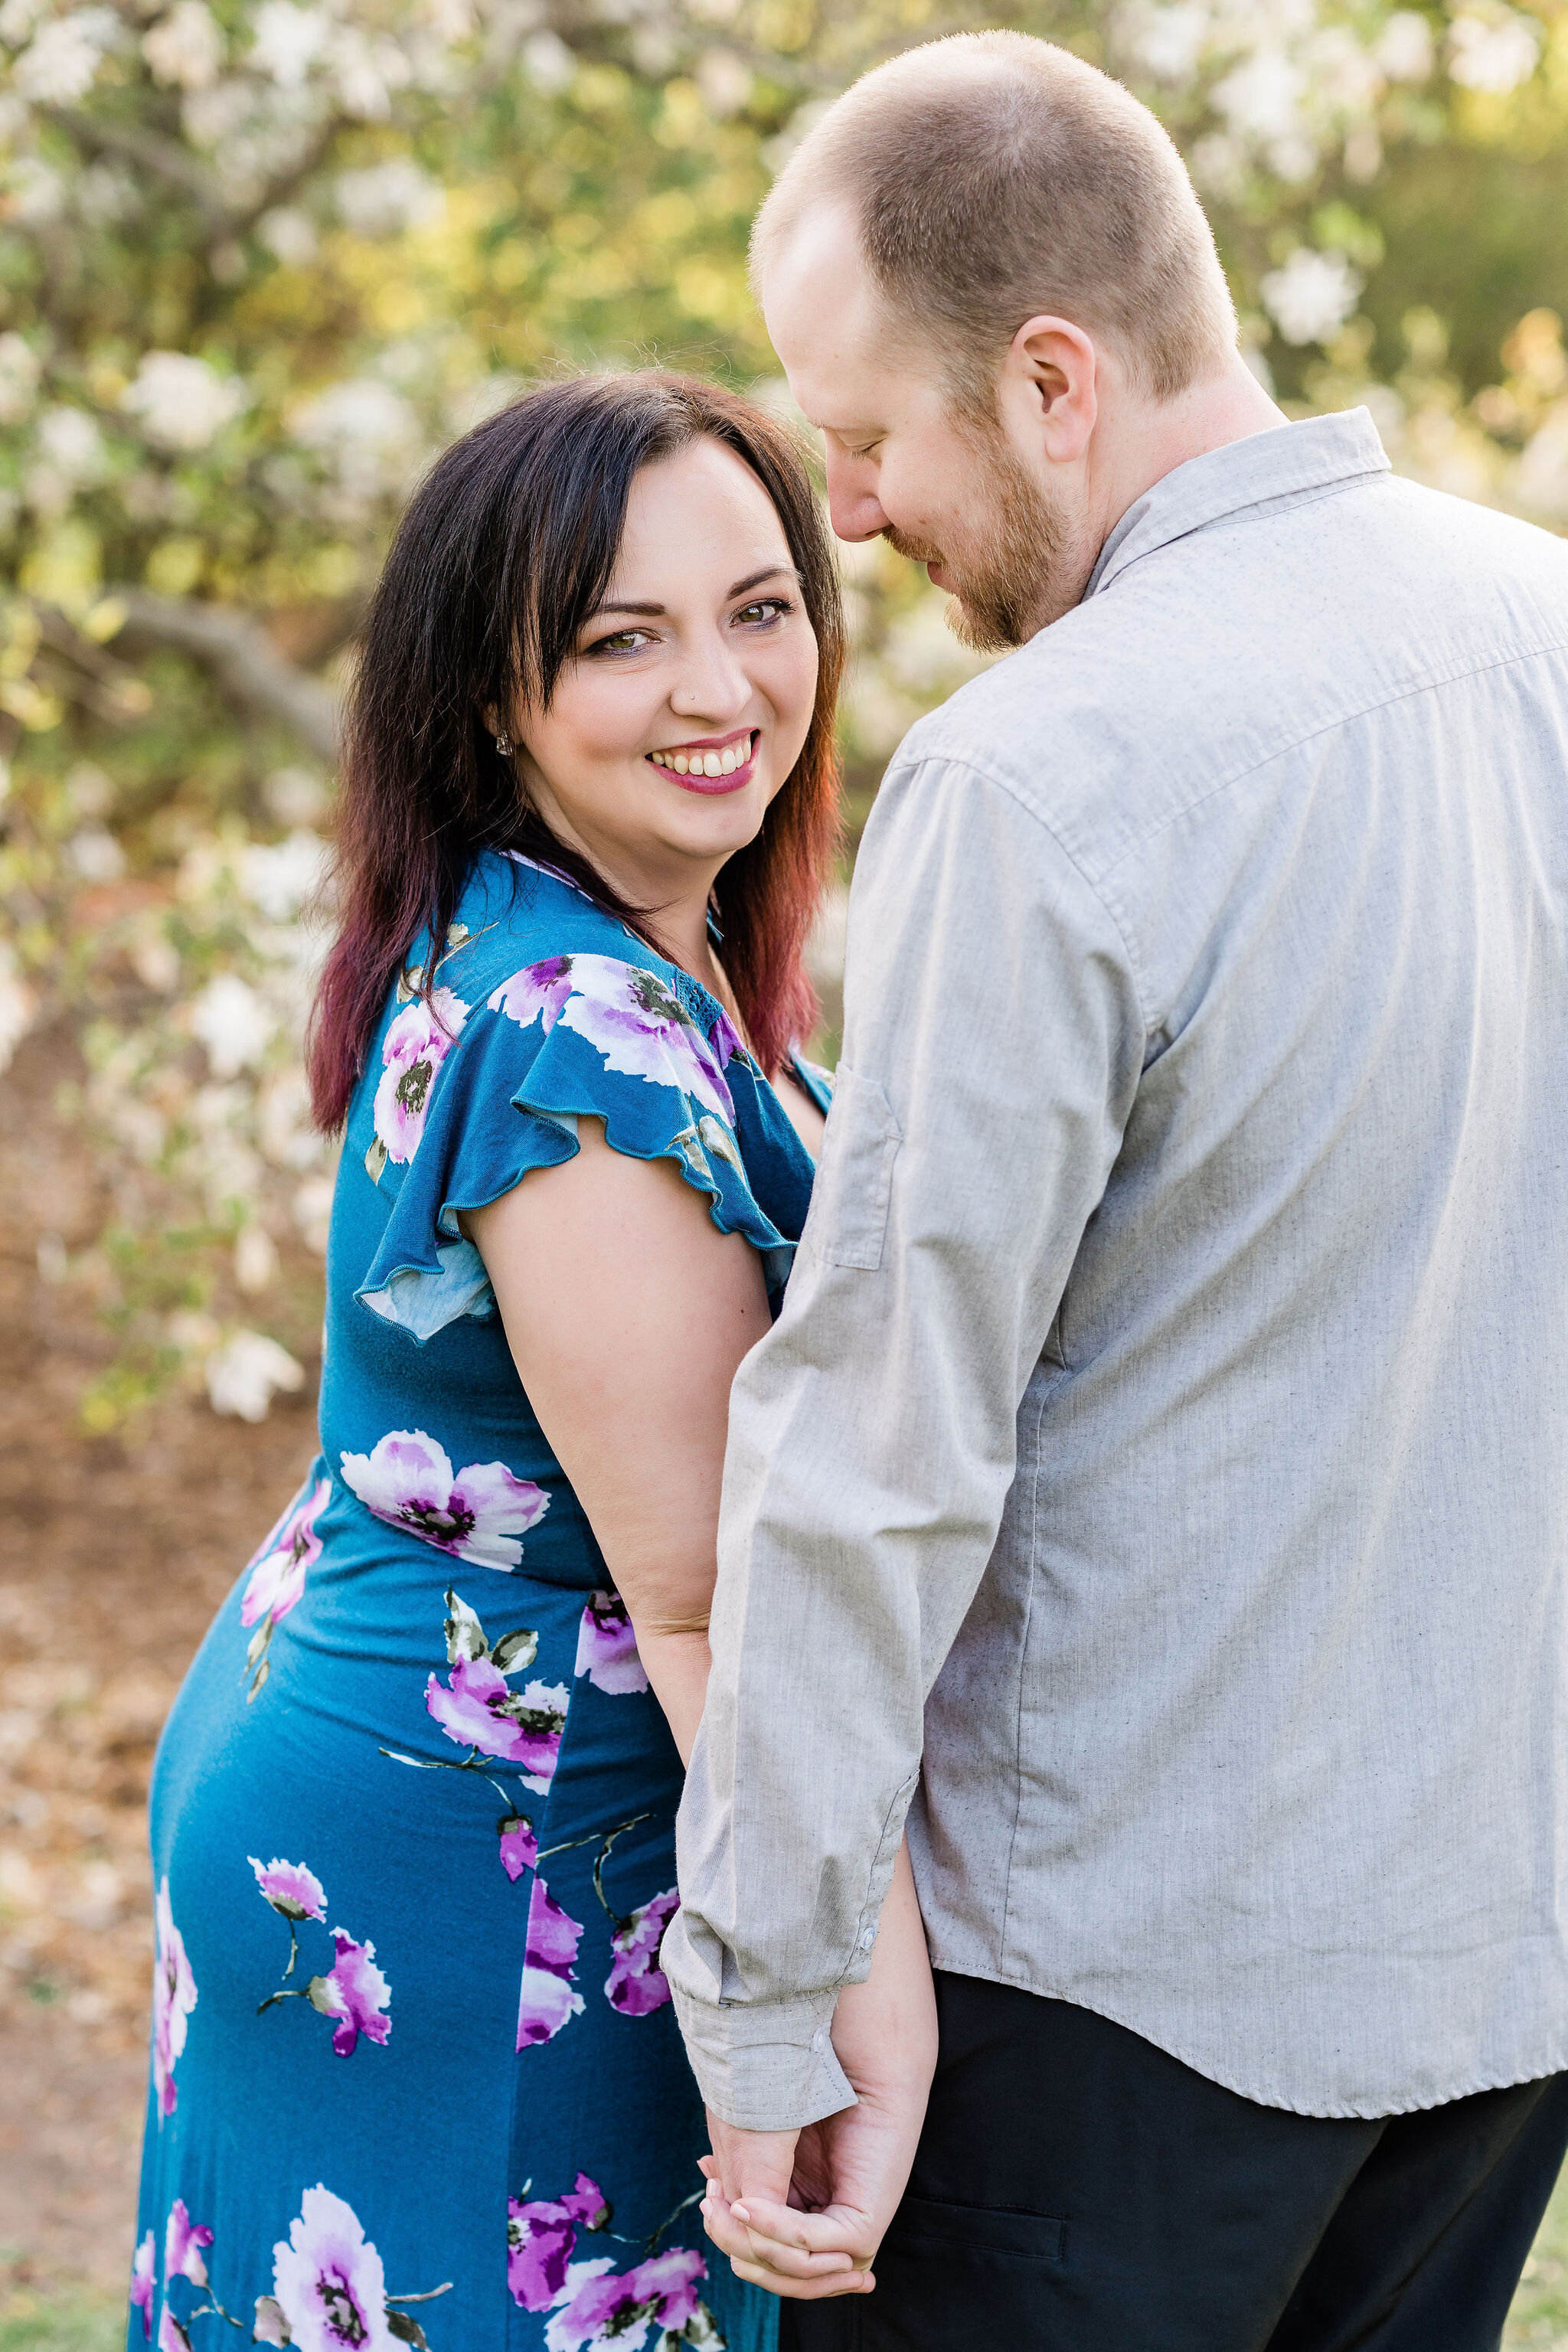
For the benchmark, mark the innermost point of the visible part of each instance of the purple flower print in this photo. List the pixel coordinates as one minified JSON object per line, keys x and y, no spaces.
{"x":547,"y":2000}
{"x":608,"y":1645}
{"x":417,"y":1043}
{"x":184,"y":2243}
{"x":292,"y":1890}
{"x":473,"y":1512}
{"x":519,"y":1846}
{"x":144,"y":2283}
{"x":539,"y":2239}
{"x":637,"y":1985}
{"x":355,"y":1993}
{"x":173,"y":1998}
{"x":616,"y":2309}
{"x":478,"y":1707}
{"x":277,"y":1571}
{"x":278,"y":1575}
{"x":171,"y":2337}
{"x":328,"y":2284}
{"x":296,"y":1894}
{"x":724,"y":1038}
{"x":636,"y":1024}
{"x":537,"y":992}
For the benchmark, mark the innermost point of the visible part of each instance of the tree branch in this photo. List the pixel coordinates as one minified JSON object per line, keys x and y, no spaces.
{"x":165,"y":157}
{"x":242,"y":658}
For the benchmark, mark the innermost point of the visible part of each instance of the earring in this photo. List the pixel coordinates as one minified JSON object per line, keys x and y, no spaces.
{"x":503,"y":745}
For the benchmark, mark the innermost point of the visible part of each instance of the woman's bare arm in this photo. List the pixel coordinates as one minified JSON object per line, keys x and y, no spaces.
{"x":626,"y":1312}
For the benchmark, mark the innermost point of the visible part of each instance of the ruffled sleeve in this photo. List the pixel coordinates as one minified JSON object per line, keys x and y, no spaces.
{"x":477,"y":1095}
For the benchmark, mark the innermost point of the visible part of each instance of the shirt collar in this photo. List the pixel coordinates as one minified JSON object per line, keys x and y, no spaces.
{"x":1290,"y":463}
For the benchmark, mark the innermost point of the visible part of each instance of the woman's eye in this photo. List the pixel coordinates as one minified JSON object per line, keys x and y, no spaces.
{"x":765,"y":609}
{"x":622,"y":641}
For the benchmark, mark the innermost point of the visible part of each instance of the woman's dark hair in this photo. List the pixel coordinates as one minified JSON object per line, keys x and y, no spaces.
{"x":506,"y":549}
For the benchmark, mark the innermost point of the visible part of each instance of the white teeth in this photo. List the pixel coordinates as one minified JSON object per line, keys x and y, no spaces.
{"x":707,"y":763}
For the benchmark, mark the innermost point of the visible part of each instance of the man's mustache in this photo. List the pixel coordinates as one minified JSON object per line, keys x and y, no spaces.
{"x":914,"y":549}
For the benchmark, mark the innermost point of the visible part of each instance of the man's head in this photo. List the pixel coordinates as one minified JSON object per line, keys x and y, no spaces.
{"x":987,"y":275}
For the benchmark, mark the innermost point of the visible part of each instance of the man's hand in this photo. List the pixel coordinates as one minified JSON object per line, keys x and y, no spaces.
{"x":803,"y":2213}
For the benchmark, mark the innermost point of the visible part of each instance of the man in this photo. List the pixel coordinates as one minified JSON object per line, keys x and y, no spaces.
{"x":1164,"y":1435}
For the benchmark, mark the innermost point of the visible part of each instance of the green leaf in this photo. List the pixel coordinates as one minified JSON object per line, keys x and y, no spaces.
{"x":720,"y":1141}
{"x":516,"y":1650}
{"x":272,"y":2326}
{"x":465,"y":1635}
{"x":404,"y":2326}
{"x":375,"y":1160}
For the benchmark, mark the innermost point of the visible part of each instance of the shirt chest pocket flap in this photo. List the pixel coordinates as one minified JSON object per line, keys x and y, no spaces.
{"x":854,"y":1185}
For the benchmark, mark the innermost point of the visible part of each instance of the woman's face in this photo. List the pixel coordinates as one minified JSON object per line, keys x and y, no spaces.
{"x":691,"y":691}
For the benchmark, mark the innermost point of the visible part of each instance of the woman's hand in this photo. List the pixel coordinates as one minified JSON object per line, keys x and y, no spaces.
{"x":804,"y":2214}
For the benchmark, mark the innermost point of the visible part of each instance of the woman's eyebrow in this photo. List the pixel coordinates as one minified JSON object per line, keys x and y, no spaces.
{"x":740,"y":588}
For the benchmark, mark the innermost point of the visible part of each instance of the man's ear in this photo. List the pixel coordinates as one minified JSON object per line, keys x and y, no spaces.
{"x":1049,"y":386}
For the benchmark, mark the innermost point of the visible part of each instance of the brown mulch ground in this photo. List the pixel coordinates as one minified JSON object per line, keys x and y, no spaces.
{"x":114,"y":1555}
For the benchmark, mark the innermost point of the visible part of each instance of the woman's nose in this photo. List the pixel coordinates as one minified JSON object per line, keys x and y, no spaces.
{"x":712,"y":683}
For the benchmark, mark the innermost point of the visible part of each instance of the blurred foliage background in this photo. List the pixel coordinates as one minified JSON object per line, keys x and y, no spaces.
{"x":260,"y":259}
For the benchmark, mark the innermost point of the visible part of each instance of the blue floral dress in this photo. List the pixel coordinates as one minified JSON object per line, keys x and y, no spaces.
{"x":416,"y":2076}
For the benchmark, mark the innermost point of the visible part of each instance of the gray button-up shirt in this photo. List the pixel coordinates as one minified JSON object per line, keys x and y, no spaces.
{"x":1166,"y":1430}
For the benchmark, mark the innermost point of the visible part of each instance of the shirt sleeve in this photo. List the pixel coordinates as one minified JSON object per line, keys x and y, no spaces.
{"x":993,"y":1047}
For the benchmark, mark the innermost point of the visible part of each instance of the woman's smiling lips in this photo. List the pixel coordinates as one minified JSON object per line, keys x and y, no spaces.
{"x":711,"y":764}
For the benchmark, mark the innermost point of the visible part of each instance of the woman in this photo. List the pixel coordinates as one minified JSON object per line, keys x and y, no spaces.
{"x":414,"y":2073}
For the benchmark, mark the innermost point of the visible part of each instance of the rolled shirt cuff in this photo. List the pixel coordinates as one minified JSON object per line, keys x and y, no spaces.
{"x":771,"y":2068}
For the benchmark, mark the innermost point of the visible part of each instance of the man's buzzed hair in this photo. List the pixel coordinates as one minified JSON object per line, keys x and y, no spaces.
{"x":993,"y":178}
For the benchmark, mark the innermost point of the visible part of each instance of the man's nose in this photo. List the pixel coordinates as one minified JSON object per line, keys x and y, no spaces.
{"x":852,"y":501}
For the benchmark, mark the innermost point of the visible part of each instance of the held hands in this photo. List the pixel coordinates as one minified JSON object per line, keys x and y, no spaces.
{"x":803,"y":2213}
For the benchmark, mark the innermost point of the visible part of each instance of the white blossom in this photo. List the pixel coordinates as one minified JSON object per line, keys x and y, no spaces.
{"x":725,"y":81}
{"x":60,"y":63}
{"x":548,"y":62}
{"x":18,"y":18}
{"x":37,"y":192}
{"x":181,"y":401}
{"x":1311,"y":297}
{"x":1346,"y":79}
{"x":95,"y":854}
{"x":289,"y":235}
{"x":254,"y":1259}
{"x":388,"y":198}
{"x":18,"y":1007}
{"x":71,"y":443}
{"x":19,"y":372}
{"x":1167,"y":41}
{"x":295,"y":797}
{"x":288,"y":41}
{"x":247,"y":1372}
{"x":367,"y":432}
{"x":233,"y":1022}
{"x":1541,"y":482}
{"x":185,"y":48}
{"x":1403,"y":47}
{"x":312,"y":1212}
{"x":367,"y":71}
{"x":279,"y":877}
{"x":1261,"y":98}
{"x":1493,"y":53}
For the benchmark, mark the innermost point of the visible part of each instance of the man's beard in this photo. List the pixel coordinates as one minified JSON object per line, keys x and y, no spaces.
{"x":1009,"y":577}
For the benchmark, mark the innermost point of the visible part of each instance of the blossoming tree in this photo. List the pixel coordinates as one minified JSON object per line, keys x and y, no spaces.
{"x":263,"y":256}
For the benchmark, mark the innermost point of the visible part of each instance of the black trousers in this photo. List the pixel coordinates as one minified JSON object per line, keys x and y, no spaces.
{"x":1079,"y":2190}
